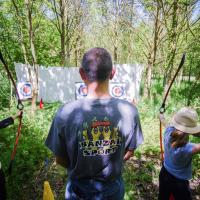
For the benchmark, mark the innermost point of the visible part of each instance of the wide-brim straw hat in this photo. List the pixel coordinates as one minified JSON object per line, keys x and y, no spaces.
{"x":186,"y":120}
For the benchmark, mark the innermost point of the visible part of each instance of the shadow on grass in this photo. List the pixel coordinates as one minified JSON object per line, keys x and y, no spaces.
{"x":141,"y":177}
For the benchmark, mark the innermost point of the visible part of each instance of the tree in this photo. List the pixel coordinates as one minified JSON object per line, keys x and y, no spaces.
{"x":33,"y":71}
{"x":68,"y":17}
{"x":175,"y":15}
{"x":153,"y":42}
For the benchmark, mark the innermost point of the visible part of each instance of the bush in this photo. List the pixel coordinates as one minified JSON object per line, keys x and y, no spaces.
{"x":31,"y":153}
{"x":5,"y":90}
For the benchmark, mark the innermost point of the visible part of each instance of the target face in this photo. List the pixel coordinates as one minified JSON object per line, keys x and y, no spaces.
{"x":116,"y":90}
{"x":83,"y":90}
{"x":25,"y":90}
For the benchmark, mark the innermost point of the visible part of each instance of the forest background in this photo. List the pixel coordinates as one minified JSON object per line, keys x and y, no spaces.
{"x":154,"y":33}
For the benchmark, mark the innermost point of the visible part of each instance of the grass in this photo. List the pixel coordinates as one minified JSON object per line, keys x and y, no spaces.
{"x":34,"y":164}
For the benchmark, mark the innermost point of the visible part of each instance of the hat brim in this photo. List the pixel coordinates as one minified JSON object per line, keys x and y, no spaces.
{"x":185,"y":129}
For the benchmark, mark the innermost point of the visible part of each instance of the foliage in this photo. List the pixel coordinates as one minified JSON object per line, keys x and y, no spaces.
{"x":34,"y":164}
{"x":5,"y":90}
{"x":140,"y":178}
{"x":128,"y":30}
{"x":31,"y":152}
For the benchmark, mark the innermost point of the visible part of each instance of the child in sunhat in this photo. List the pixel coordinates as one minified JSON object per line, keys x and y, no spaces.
{"x":178,"y":151}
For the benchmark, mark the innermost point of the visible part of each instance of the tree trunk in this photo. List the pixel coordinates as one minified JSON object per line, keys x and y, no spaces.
{"x":34,"y":69}
{"x":20,"y":23}
{"x":115,"y":43}
{"x":172,"y":44}
{"x":22,"y":41}
{"x":63,"y":32}
{"x":148,"y":75}
{"x":152,"y":55}
{"x":77,"y":49}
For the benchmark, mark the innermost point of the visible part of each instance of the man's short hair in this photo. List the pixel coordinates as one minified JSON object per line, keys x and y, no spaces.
{"x":97,"y":64}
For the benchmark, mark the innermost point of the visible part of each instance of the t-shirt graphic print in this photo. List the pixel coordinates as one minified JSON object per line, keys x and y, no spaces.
{"x":99,"y":138}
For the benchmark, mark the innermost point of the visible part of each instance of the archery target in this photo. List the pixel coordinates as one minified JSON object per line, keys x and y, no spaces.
{"x":24,"y":90}
{"x":81,"y":90}
{"x":117,"y":90}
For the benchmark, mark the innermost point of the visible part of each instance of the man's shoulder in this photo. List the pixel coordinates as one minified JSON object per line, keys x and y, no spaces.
{"x":127,"y":103}
{"x":68,"y":108}
{"x":72,"y":104}
{"x":127,"y":107}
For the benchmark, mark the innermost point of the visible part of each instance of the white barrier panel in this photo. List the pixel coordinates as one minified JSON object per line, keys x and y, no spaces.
{"x":59,"y":83}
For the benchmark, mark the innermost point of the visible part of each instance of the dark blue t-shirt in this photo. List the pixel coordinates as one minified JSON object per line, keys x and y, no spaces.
{"x":93,"y":135}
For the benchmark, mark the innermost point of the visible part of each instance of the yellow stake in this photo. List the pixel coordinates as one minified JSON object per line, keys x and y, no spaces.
{"x":47,"y":194}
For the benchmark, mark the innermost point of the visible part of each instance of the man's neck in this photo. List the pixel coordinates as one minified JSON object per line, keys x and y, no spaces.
{"x":98,"y":90}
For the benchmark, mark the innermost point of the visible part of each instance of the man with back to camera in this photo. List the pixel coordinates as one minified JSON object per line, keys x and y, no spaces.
{"x":93,"y":136}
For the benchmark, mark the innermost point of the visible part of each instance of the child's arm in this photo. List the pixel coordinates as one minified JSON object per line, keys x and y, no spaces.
{"x":6,"y":122}
{"x":196,"y":149}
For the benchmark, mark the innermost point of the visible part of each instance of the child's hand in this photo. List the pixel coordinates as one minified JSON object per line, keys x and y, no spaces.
{"x":128,"y":154}
{"x":161,"y":116}
{"x":17,"y":115}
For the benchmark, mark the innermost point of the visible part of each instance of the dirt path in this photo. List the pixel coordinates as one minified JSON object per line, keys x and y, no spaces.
{"x":141,"y":177}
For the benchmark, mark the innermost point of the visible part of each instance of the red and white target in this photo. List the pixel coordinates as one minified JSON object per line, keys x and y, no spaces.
{"x":117,"y":90}
{"x":81,"y":90}
{"x":24,"y":90}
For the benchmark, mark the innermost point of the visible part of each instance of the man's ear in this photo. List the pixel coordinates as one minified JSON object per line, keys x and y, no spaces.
{"x":82,"y":74}
{"x":112,"y":73}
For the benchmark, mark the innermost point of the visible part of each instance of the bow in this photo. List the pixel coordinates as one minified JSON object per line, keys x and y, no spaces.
{"x":20,"y":107}
{"x":162,"y":108}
